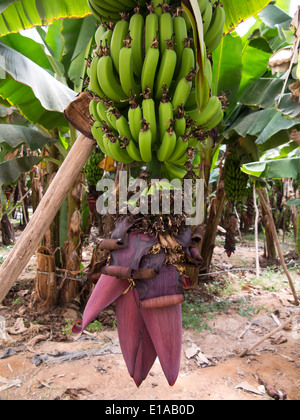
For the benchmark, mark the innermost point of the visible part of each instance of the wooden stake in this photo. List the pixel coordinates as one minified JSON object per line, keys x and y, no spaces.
{"x":44,"y":214}
{"x":281,"y":327}
{"x":276,"y":240}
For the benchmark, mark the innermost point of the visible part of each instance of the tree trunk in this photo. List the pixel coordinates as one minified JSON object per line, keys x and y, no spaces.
{"x":45,"y":213}
{"x":268,"y":211}
{"x":8,"y":234}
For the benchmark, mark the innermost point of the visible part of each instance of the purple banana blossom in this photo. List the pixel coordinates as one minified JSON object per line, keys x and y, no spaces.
{"x":148,"y":309}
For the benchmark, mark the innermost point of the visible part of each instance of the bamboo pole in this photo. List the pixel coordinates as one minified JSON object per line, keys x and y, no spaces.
{"x":267,"y":209}
{"x":44,"y":214}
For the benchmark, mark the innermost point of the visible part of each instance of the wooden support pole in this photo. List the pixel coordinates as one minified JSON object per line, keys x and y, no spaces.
{"x":45,"y":213}
{"x":277,"y":330}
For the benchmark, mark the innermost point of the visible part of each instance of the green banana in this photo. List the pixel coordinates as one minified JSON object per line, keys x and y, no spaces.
{"x":98,"y":134}
{"x":215,"y":120}
{"x":107,"y":80}
{"x":180,"y":149}
{"x":101,"y":12}
{"x":188,"y":61}
{"x":106,"y":38}
{"x":128,"y":83}
{"x":167,"y":146}
{"x":165,"y":114}
{"x":209,"y":111}
{"x":151,"y":28}
{"x":173,"y":171}
{"x":208,"y":71}
{"x":149,"y":113}
{"x":134,"y":119}
{"x":180,"y":35}
{"x":207,"y":17}
{"x":136,"y":29}
{"x":180,"y":122}
{"x":93,"y":110}
{"x":203,"y":5}
{"x":132,"y":150}
{"x":214,"y":35}
{"x":99,"y":33}
{"x":166,"y":70}
{"x":166,"y":31}
{"x":117,"y":41}
{"x":183,"y":90}
{"x":150,"y":66}
{"x":123,"y":127}
{"x":94,"y":83}
{"x":116,"y":152}
{"x":145,"y":142}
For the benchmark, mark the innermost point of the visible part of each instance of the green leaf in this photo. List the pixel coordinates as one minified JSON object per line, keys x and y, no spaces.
{"x":295,"y":202}
{"x":227,"y":69}
{"x":274,"y":169}
{"x":262,"y":92}
{"x":12,"y":169}
{"x":14,"y":136}
{"x":39,"y":96}
{"x":238,"y":11}
{"x":288,"y":107}
{"x":24,"y":14}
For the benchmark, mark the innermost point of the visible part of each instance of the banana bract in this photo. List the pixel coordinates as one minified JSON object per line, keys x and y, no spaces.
{"x":148,"y":294}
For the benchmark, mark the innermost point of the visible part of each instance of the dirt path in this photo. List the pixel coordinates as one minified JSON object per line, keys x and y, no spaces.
{"x":210,"y":367}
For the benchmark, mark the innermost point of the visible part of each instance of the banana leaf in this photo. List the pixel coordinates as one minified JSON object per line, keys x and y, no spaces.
{"x":39,"y":96}
{"x":274,"y":169}
{"x":13,"y":136}
{"x":238,"y":11}
{"x":24,"y":14}
{"x":12,"y":169}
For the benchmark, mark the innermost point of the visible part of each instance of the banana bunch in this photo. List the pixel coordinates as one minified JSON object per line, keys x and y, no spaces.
{"x":235,"y":180}
{"x":142,"y":77}
{"x":92,"y":170}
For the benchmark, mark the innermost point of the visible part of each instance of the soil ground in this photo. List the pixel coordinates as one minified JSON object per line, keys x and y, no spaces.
{"x":240,"y":309}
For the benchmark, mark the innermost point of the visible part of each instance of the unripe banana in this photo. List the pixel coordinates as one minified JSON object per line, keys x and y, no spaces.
{"x":94,"y":84}
{"x":116,"y":152}
{"x":107,"y":80}
{"x":99,"y":33}
{"x":180,"y":149}
{"x":165,"y":115}
{"x":93,"y":110}
{"x":167,"y":146}
{"x":151,"y":29}
{"x":200,"y":118}
{"x":132,"y":150}
{"x":173,"y":172}
{"x":188,"y":61}
{"x":180,"y":35}
{"x":183,"y":90}
{"x":123,"y":127}
{"x":166,"y":70}
{"x":134,"y":119}
{"x":149,"y":114}
{"x":166,"y":31}
{"x":180,"y":122}
{"x":119,"y":34}
{"x":207,"y":17}
{"x":203,"y":5}
{"x":215,"y":120}
{"x":145,"y":143}
{"x":98,"y":135}
{"x":106,"y":38}
{"x":150,"y":66}
{"x":101,"y":12}
{"x":214,"y":34}
{"x":136,"y":29}
{"x":128,"y":83}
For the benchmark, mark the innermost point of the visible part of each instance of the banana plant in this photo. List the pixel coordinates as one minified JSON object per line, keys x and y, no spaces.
{"x":40,"y":79}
